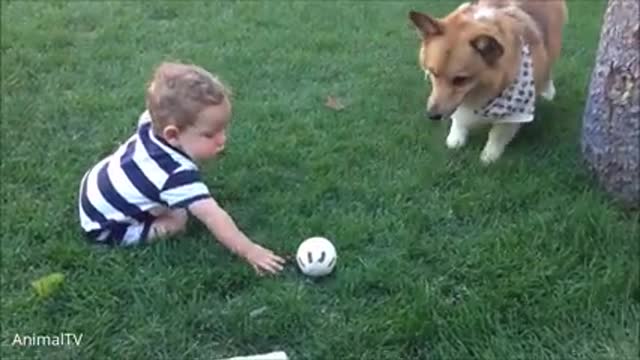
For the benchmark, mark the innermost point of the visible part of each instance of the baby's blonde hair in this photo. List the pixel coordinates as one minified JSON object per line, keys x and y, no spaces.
{"x":177,"y":93}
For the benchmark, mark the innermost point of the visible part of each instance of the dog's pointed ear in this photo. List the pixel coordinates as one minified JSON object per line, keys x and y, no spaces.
{"x":425,"y":24}
{"x":489,"y":48}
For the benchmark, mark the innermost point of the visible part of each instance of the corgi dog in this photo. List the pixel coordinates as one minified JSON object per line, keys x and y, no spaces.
{"x":487,"y":62}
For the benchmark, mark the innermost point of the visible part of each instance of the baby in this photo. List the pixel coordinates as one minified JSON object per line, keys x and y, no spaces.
{"x":147,"y":187}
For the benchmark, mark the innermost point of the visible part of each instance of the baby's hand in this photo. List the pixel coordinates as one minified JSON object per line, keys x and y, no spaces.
{"x":263,"y":260}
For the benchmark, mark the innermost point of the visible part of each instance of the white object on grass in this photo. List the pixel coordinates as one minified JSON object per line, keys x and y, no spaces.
{"x":277,"y":355}
{"x":316,"y":256}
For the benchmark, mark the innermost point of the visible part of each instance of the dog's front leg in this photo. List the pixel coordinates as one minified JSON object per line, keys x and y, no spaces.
{"x":458,"y":132}
{"x":549,"y":92}
{"x":500,"y":136}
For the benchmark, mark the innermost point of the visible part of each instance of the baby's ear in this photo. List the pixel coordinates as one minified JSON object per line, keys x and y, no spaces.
{"x":489,"y":48}
{"x":426,"y":25}
{"x":170,"y":133}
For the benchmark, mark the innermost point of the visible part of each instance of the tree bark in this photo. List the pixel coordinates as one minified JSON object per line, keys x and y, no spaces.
{"x":611,"y":121}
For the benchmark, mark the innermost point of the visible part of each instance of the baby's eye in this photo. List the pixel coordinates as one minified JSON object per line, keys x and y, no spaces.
{"x":460,"y":80}
{"x":208,"y":135}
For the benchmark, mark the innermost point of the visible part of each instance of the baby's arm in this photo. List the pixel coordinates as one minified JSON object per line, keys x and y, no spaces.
{"x":225,"y":230}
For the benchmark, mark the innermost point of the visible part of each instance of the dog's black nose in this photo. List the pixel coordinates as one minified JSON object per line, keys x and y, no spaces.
{"x":434,"y":116}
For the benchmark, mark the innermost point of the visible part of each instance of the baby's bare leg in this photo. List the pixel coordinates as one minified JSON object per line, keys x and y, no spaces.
{"x":168,"y":222}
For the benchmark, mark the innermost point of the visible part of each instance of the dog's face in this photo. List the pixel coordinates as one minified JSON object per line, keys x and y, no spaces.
{"x":460,"y":55}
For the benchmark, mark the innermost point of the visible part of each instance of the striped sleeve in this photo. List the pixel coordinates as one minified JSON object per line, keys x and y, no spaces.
{"x":182,"y":188}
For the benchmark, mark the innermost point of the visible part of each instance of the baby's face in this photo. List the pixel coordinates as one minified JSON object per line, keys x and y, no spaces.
{"x":206,"y":138}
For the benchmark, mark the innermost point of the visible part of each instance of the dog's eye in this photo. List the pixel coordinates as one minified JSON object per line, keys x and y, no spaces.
{"x":460,"y":80}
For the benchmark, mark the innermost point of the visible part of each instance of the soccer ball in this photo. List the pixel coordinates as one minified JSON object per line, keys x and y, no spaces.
{"x":316,"y":257}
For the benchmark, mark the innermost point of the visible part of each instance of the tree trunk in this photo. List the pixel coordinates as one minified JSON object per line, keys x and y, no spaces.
{"x":611,"y":121}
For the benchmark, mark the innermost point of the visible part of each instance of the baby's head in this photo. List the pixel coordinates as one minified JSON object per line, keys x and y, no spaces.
{"x":190,"y":108}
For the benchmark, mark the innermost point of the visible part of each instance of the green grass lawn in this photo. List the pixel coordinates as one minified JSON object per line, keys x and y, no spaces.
{"x":440,"y":257}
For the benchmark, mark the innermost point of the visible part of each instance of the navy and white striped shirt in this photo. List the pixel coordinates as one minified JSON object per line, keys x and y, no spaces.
{"x":144,"y":173}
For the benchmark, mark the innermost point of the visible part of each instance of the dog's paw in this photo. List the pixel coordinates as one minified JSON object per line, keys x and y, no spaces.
{"x":456,"y":140}
{"x":490,"y":155}
{"x":549,"y":91}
